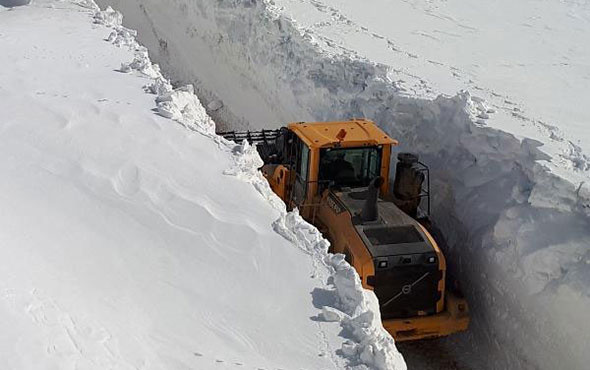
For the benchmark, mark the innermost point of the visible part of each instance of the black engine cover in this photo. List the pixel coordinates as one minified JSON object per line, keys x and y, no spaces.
{"x":407,"y":290}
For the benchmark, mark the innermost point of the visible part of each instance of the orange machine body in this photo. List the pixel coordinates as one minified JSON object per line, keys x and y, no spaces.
{"x":389,"y":240}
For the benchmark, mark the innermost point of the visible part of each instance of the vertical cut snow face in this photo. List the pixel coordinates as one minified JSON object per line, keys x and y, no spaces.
{"x":130,"y":240}
{"x":516,"y":219}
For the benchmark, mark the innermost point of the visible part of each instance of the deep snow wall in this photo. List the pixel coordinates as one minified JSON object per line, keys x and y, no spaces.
{"x":156,"y":244}
{"x":518,"y":236}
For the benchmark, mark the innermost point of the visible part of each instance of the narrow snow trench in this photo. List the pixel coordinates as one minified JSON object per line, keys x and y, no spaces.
{"x":517,"y":235}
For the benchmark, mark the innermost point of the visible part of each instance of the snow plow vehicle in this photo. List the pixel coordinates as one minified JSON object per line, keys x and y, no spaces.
{"x":337,"y":175}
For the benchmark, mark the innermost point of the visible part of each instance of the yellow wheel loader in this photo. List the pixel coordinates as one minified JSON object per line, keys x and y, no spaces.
{"x":337,"y":175}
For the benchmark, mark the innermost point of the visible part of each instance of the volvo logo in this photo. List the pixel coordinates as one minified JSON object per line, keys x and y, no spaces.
{"x":406,"y":289}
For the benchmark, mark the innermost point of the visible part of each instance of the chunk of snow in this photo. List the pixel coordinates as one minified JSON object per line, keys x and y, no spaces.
{"x":215,"y":105}
{"x":330,"y":314}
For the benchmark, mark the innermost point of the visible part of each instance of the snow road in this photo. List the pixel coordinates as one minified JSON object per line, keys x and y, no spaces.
{"x":510,"y":172}
{"x":128,"y":241}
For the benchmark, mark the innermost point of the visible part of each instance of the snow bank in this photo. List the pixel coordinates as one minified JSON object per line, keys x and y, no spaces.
{"x":357,"y":309}
{"x":517,"y":234}
{"x":130,"y":241}
{"x":523,"y":58}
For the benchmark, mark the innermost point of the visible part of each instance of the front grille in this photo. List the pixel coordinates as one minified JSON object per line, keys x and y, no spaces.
{"x":403,"y":291}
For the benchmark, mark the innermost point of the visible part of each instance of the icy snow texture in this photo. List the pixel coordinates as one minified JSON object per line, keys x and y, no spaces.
{"x":132,"y":242}
{"x":518,"y":235}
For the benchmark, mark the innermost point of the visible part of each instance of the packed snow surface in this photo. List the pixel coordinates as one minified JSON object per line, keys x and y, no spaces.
{"x":492,"y":95}
{"x":133,"y":237}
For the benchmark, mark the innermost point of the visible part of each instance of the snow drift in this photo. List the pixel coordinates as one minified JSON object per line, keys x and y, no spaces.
{"x":130,"y":241}
{"x":518,"y":235}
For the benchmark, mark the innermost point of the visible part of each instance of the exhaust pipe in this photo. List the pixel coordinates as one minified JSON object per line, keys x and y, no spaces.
{"x":370,"y":211}
{"x":408,"y":182}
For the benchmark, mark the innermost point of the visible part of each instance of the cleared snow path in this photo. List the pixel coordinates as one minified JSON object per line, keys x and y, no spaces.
{"x":130,"y":242}
{"x":518,"y":234}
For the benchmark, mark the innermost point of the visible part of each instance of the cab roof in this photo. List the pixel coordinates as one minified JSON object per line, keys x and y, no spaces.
{"x":357,"y":132}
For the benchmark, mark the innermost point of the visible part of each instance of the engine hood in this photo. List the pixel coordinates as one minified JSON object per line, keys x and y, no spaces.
{"x":394,"y":233}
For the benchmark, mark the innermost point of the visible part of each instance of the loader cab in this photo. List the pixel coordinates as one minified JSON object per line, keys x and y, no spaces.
{"x":336,"y":155}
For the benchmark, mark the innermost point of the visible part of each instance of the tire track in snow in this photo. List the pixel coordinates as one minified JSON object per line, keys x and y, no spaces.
{"x":422,"y":85}
{"x":338,"y":18}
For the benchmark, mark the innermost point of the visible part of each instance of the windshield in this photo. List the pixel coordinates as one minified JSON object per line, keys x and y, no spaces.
{"x":351,"y":167}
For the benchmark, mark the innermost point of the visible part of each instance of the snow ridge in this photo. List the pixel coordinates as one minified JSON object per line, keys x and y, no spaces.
{"x":356,"y":308}
{"x":370,"y":346}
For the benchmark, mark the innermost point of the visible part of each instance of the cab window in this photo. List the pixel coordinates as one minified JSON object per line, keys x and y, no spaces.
{"x":301,"y":172}
{"x":350,"y":167}
{"x":303,"y":165}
